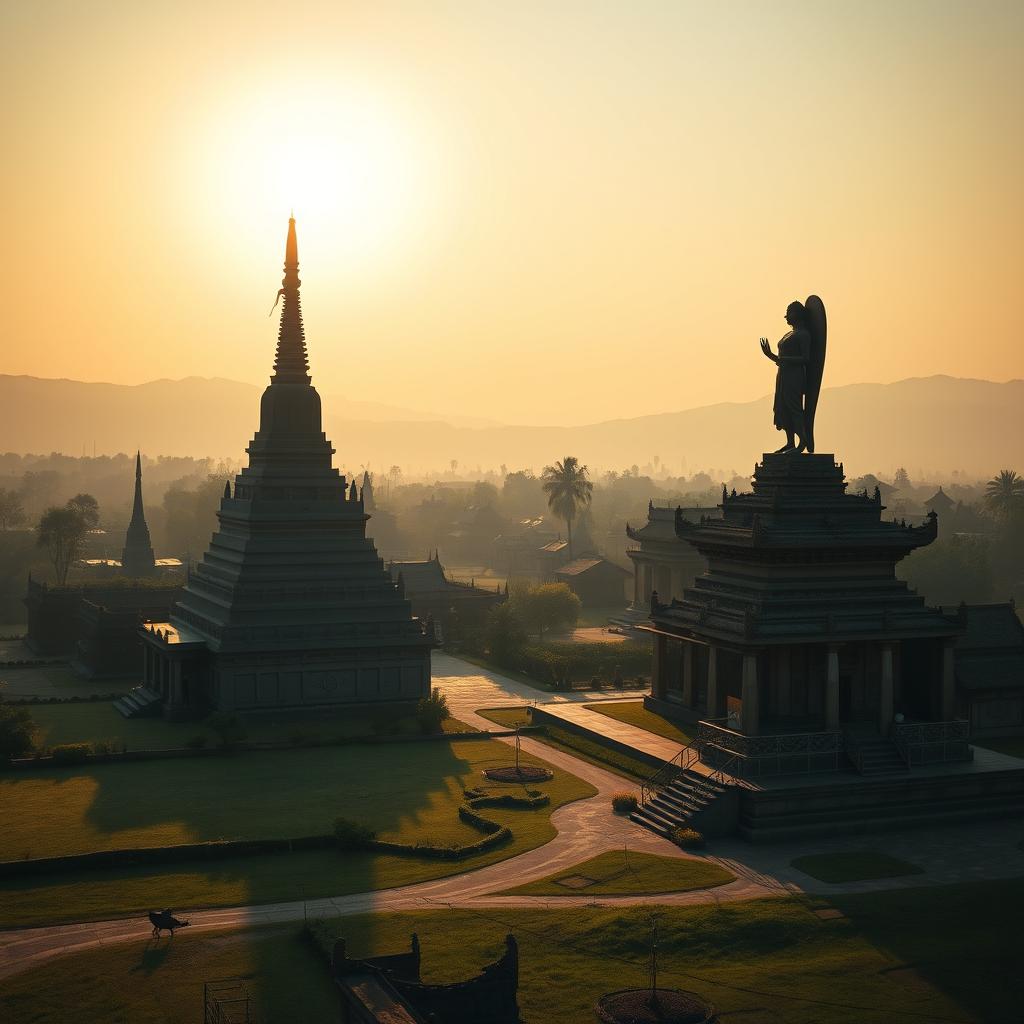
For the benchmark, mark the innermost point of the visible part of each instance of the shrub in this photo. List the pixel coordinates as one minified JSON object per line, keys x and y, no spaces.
{"x":504,"y":634}
{"x":104,"y":746}
{"x":432,"y":711}
{"x":71,"y":753}
{"x":197,"y":742}
{"x":624,"y":803}
{"x":350,"y":835}
{"x":16,"y":732}
{"x":687,"y":838}
{"x":228,"y":727}
{"x":617,"y":681}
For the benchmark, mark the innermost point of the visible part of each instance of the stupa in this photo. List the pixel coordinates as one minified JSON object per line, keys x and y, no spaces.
{"x":291,"y":605}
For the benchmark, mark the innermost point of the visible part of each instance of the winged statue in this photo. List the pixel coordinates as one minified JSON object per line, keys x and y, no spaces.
{"x":801,"y":363}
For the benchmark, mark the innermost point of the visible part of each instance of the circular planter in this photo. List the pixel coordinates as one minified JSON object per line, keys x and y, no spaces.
{"x":635,"y":1006}
{"x":524,"y":773}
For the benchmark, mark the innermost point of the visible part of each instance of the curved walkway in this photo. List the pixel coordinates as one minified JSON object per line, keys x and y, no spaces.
{"x":585,"y":829}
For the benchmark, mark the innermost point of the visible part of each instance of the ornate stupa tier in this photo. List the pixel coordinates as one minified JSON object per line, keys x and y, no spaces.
{"x":798,"y":506}
{"x":799,"y":558}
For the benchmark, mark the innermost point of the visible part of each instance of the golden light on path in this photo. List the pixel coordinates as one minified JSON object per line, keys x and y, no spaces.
{"x":356,"y":165}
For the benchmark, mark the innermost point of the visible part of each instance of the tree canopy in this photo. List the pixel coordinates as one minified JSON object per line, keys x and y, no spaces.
{"x":568,"y":489}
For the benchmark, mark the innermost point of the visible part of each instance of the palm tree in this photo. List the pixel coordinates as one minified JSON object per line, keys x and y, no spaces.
{"x":568,"y":490}
{"x":1004,"y":492}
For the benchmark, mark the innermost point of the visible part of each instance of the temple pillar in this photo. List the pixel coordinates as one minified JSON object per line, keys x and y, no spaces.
{"x":648,"y":584}
{"x":177,"y":698}
{"x":638,"y":572}
{"x":712,"y":694}
{"x":948,"y":695}
{"x":832,"y":690}
{"x":886,"y":689}
{"x":677,"y":583}
{"x":687,"y":674}
{"x":749,"y":697}
{"x":658,"y":663}
{"x":782,"y":683}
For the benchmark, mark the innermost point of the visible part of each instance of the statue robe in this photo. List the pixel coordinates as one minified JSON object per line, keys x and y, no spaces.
{"x":791,"y":382}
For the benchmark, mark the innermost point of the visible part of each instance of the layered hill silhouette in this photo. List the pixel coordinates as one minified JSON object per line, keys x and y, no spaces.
{"x":931,"y":423}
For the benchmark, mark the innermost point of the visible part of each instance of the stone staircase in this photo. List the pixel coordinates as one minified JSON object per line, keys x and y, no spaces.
{"x":871,"y":754}
{"x":690,"y":800}
{"x":139,"y":702}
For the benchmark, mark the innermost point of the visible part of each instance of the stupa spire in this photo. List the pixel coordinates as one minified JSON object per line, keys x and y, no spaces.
{"x":291,"y":365}
{"x":137,"y":557}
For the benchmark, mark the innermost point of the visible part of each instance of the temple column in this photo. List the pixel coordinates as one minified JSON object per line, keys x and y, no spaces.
{"x":832,"y":690}
{"x":749,"y":702}
{"x":948,"y":704}
{"x":658,"y":668}
{"x":677,"y":583}
{"x":782,"y":684}
{"x":648,"y":585}
{"x":176,"y":694}
{"x":712,"y":695}
{"x":886,"y":688}
{"x":638,"y":572}
{"x":687,"y":674}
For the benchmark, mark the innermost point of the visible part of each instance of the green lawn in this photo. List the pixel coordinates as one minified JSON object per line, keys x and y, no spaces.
{"x":162,"y":982}
{"x":100,"y":720}
{"x":571,"y":743}
{"x":767,"y":961}
{"x":854,"y":866}
{"x":508,"y":718}
{"x":405,"y":792}
{"x":618,"y":873}
{"x":634,"y":713}
{"x":889,"y":957}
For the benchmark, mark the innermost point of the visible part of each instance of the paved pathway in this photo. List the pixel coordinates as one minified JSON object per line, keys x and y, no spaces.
{"x":965,"y":853}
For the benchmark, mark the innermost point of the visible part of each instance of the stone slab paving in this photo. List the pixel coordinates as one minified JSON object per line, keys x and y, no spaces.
{"x":987,"y":850}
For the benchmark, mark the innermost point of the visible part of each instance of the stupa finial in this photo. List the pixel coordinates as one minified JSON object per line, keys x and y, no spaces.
{"x":291,"y":364}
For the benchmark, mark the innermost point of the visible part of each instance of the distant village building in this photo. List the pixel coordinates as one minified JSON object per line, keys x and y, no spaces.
{"x":453,"y":606}
{"x":291,"y":606}
{"x":516,"y":550}
{"x":597,"y":582}
{"x":941,"y":503}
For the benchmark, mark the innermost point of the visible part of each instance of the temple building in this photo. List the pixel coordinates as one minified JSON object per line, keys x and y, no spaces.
{"x":291,"y":606}
{"x":800,"y":626}
{"x":661,"y":561}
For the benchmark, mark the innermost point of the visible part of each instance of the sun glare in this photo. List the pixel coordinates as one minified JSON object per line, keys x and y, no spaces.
{"x":349,"y":161}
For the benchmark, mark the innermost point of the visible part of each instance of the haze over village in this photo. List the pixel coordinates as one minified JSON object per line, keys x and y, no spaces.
{"x":592,"y":593}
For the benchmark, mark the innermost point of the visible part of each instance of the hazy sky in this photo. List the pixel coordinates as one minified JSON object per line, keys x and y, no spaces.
{"x":537,"y":212}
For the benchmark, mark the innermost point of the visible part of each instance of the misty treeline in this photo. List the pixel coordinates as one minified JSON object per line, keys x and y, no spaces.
{"x":978,"y":557}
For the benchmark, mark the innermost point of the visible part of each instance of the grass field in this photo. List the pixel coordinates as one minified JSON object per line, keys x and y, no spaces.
{"x":162,"y":982}
{"x":100,"y":720}
{"x":618,"y":873}
{"x":634,"y":713}
{"x":404,"y":793}
{"x":892,"y":956}
{"x":509,"y":718}
{"x":854,"y":866}
{"x":889,"y":957}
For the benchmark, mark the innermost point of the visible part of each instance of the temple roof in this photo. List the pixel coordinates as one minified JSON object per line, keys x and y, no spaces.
{"x":137,"y":557}
{"x":580,"y":566}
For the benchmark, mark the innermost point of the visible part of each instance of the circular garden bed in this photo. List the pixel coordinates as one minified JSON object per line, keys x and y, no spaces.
{"x":669,"y":1006}
{"x":524,"y":773}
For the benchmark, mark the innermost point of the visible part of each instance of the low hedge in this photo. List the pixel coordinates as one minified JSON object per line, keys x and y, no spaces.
{"x":71,"y":753}
{"x":476,"y":798}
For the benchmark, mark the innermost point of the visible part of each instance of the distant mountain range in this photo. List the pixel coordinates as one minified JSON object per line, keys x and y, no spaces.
{"x":924,"y":423}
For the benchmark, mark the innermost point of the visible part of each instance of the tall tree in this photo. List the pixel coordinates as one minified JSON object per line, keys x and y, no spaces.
{"x":12,"y":512}
{"x":1004,"y":493}
{"x":569,"y":490}
{"x":87,"y":507}
{"x":62,"y":532}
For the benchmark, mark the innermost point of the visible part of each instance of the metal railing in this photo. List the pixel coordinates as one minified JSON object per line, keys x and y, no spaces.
{"x":932,"y":742}
{"x":778,"y":754}
{"x":669,"y":772}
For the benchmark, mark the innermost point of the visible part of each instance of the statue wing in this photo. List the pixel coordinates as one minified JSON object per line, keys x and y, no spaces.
{"x":818,"y":327}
